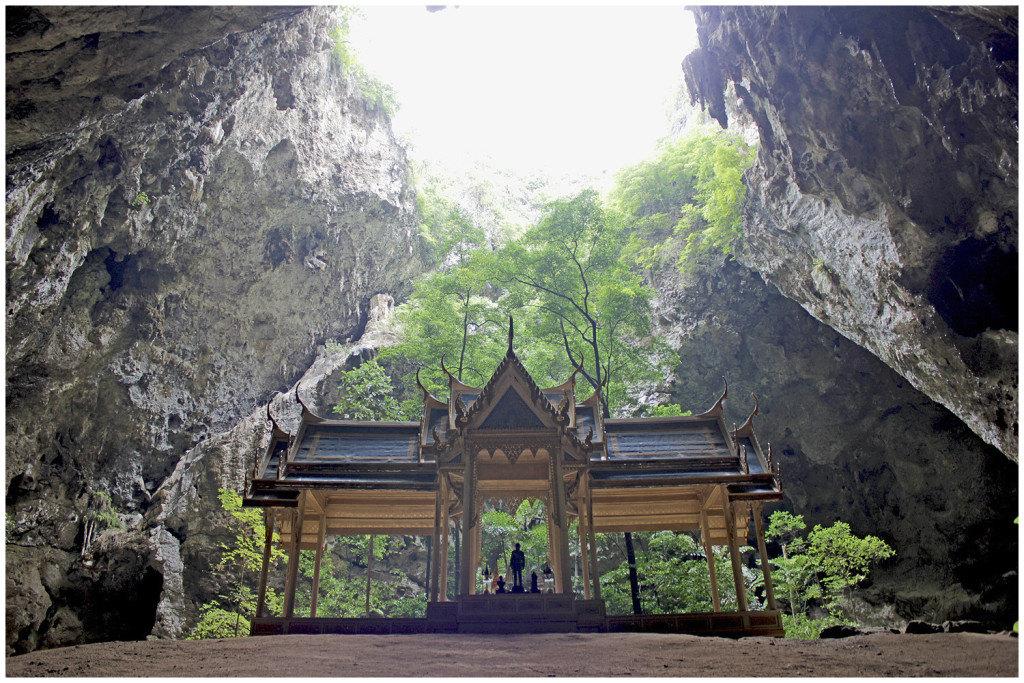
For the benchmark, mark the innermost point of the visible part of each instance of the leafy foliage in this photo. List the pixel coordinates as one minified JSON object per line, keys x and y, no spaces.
{"x":803,"y":626}
{"x":842,"y":560}
{"x":687,"y":201}
{"x":673,"y":576}
{"x":502,"y":530}
{"x":99,"y":516}
{"x":821,"y":568}
{"x":367,"y":394}
{"x":342,"y":591}
{"x":228,"y":615}
{"x":571,"y":270}
{"x":374,"y":91}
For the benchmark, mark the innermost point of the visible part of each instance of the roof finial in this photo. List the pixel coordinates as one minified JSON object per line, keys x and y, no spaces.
{"x":511,"y":333}
{"x":443,"y":368}
{"x":299,"y":400}
{"x":273,"y":422}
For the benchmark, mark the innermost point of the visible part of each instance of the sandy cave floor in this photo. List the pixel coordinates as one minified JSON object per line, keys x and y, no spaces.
{"x":607,"y":654}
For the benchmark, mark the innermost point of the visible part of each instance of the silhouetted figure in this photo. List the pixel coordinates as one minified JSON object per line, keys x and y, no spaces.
{"x":501,"y":585}
{"x":516,"y":562}
{"x":533,"y":583}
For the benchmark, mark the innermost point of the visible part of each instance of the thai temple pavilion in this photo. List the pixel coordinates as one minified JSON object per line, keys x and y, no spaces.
{"x":510,"y":441}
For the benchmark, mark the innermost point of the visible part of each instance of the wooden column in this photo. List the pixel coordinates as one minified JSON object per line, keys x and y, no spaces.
{"x":734,"y":553}
{"x":321,"y":531}
{"x":769,"y":590}
{"x":269,"y":518}
{"x":591,"y":539}
{"x":705,"y":537}
{"x":466,"y":571}
{"x":435,"y":545}
{"x":563,"y":576}
{"x":445,"y":524}
{"x":475,"y":544}
{"x":293,"y":558}
{"x":581,"y":527}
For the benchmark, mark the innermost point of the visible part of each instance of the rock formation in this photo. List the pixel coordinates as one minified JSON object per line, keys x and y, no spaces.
{"x":197,"y":200}
{"x":856,"y":443}
{"x":884,"y":195}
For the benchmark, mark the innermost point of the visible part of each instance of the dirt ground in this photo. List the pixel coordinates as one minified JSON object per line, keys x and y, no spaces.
{"x":612,"y":654}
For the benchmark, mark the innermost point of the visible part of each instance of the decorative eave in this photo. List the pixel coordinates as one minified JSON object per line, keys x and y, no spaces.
{"x":429,"y":400}
{"x":276,"y":432}
{"x":568,"y":385}
{"x":454,"y":383}
{"x":718,"y":409}
{"x":308,"y":416}
{"x":747,"y":428}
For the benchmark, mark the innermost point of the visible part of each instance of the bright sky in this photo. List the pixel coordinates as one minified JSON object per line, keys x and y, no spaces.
{"x":566,"y":90}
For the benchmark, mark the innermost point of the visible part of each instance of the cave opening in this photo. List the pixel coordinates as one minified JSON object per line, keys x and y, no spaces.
{"x":116,"y":269}
{"x":974,"y":287}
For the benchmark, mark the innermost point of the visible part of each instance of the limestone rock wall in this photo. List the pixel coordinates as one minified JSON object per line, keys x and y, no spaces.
{"x":856,"y":442}
{"x":197,"y":199}
{"x":884,"y":195}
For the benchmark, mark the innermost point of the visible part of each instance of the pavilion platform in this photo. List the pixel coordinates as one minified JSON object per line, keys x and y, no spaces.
{"x":530,"y":613}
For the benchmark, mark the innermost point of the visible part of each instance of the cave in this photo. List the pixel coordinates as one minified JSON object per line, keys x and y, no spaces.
{"x":975,"y":287}
{"x":211,"y":208}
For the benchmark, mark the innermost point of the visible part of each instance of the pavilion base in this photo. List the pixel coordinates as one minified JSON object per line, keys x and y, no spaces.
{"x":530,"y":613}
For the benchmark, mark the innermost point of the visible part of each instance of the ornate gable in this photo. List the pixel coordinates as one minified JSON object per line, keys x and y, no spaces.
{"x":511,"y":400}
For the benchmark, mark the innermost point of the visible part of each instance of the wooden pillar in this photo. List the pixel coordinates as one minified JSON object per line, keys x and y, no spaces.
{"x":474,"y":545}
{"x":435,"y":545}
{"x":705,"y":537}
{"x":581,"y":528}
{"x":591,"y":540}
{"x":321,"y":531}
{"x":293,"y":558}
{"x":369,"y":568}
{"x":769,"y":590}
{"x":466,"y":571}
{"x":445,"y":524}
{"x":269,"y":518}
{"x":563,"y":577}
{"x":734,"y":553}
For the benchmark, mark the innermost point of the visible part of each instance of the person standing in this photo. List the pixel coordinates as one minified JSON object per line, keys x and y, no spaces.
{"x":517,"y":562}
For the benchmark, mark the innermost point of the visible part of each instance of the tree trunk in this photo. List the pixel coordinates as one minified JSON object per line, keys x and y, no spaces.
{"x":634,"y":583}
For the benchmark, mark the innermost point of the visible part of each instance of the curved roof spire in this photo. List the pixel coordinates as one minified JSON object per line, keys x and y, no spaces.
{"x":305,"y":409}
{"x":445,"y":369}
{"x":511,"y":334}
{"x":719,"y":407}
{"x":273,"y":423}
{"x":426,"y":392}
{"x":748,"y":427}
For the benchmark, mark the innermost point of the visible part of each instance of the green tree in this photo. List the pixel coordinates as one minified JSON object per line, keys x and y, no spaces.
{"x":589,"y":300}
{"x":822,"y":567}
{"x":99,"y":516}
{"x":687,"y":201}
{"x":842,"y":560}
{"x":673,"y":575}
{"x":342,"y":591}
{"x":367,"y":394}
{"x":502,"y":530}
{"x":228,"y":615}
